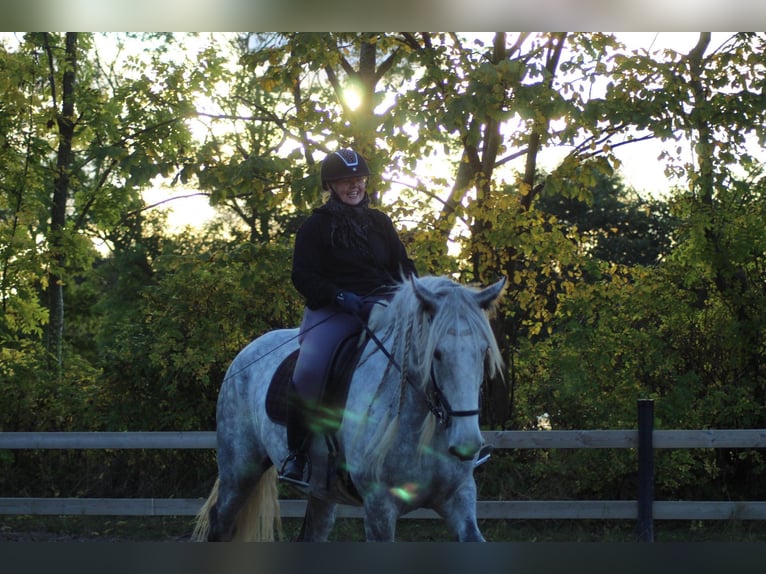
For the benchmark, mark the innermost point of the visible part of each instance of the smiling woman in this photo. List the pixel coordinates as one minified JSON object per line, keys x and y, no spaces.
{"x":351,"y":190}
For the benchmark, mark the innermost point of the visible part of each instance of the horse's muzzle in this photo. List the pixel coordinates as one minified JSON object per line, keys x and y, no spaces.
{"x":464,"y":451}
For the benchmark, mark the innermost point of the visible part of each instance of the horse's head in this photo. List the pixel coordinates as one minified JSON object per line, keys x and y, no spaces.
{"x":457,"y":350}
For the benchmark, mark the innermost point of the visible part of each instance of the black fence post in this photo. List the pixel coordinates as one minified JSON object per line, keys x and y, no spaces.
{"x":645,"y":470}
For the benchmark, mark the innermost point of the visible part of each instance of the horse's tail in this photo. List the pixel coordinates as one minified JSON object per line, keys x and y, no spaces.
{"x":259,"y":518}
{"x":257,"y":521}
{"x":202,"y":524}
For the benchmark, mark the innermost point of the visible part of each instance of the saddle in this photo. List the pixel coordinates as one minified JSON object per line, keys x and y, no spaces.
{"x":334,"y":387}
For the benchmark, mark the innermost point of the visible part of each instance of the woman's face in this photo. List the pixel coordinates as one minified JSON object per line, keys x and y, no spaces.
{"x":350,"y":190}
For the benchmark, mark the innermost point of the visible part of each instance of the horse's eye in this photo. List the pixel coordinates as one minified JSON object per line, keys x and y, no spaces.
{"x":438,"y":355}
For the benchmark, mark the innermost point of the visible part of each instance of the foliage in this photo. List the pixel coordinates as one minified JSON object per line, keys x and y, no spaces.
{"x":664,"y":333}
{"x":613,"y":225}
{"x":610,"y":298}
{"x":205,"y":301}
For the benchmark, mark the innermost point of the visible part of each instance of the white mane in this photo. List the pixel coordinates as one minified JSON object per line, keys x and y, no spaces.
{"x":411,"y":333}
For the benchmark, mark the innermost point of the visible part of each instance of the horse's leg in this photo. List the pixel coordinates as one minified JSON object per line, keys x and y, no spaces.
{"x":233,"y":492}
{"x":318,"y":520}
{"x":223,"y":515}
{"x":380,"y":515}
{"x":459,"y":512}
{"x":237,"y":477}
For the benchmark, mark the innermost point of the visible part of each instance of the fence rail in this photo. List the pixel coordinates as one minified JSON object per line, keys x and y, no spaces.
{"x":644,"y":510}
{"x":485,"y":509}
{"x":665,"y":439}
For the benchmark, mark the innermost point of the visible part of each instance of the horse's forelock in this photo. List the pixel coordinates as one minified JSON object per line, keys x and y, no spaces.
{"x":404,"y":319}
{"x":458,"y":302}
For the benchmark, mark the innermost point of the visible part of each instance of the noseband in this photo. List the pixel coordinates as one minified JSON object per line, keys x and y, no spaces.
{"x":439,"y":405}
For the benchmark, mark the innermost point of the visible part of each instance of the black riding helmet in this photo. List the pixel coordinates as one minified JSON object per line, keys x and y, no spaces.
{"x":341,"y":164}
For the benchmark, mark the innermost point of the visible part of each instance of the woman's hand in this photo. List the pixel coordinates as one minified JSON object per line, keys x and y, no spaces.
{"x":349,"y":302}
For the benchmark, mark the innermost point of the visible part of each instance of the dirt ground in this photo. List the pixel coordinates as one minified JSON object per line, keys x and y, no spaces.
{"x":55,"y":537}
{"x":94,"y":529}
{"x":41,"y":536}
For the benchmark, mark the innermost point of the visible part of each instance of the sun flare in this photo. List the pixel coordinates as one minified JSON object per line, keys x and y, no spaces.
{"x":352,"y":97}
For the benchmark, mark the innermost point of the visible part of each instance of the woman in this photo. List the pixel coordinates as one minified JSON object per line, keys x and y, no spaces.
{"x":347,"y":256}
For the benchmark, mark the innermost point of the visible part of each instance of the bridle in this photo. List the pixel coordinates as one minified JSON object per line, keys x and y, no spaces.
{"x":436,"y":402}
{"x":439,"y":405}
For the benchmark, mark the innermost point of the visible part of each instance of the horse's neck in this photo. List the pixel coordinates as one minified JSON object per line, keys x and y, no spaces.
{"x":398,"y":378}
{"x":413,"y":405}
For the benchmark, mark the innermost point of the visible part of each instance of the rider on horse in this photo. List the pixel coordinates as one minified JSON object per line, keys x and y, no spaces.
{"x":347,"y":257}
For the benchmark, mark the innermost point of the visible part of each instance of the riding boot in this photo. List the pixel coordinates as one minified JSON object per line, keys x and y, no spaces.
{"x":297,"y":466}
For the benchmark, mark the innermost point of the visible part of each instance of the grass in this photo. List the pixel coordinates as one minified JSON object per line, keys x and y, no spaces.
{"x":104,"y":528}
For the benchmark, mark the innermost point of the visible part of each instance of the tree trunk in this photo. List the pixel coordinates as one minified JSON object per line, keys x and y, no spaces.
{"x":536,"y":137}
{"x":61,"y":183}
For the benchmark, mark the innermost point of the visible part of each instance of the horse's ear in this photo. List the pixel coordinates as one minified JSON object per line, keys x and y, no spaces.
{"x":486,"y":297}
{"x":428,"y":300}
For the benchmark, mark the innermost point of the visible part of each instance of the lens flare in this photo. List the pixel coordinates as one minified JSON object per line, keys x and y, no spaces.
{"x":407,"y":492}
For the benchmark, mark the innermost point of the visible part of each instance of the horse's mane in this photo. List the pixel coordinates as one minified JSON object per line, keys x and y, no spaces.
{"x":405,"y":317}
{"x":412,"y":332}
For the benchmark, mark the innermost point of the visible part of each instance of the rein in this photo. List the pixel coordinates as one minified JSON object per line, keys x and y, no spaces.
{"x":273,"y":350}
{"x":437,"y":403}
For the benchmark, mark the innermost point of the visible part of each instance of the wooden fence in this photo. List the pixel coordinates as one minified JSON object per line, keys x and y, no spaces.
{"x":645,"y":509}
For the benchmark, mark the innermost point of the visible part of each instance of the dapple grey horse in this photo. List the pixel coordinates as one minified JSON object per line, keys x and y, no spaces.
{"x":408,"y":436}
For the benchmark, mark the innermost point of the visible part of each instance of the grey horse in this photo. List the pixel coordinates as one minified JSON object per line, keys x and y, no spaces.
{"x":409,"y":434}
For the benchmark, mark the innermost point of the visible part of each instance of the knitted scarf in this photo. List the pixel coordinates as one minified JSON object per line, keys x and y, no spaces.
{"x":350,"y":223}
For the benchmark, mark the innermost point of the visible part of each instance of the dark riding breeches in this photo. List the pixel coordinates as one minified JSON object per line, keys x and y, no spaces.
{"x":321,"y":331}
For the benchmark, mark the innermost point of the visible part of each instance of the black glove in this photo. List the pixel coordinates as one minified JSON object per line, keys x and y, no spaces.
{"x":349,"y":302}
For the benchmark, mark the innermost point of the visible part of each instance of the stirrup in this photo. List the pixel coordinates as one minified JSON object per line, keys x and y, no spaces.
{"x":484,"y":453}
{"x":305,"y":471}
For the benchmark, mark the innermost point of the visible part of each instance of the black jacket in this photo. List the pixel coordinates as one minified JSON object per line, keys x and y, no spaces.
{"x":321,"y":270}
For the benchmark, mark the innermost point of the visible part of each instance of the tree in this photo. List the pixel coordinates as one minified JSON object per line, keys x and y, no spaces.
{"x":111,"y":136}
{"x":616,"y":225}
{"x":206,"y":299}
{"x":690,"y":332}
{"x":65,"y":122}
{"x":315,"y":73}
